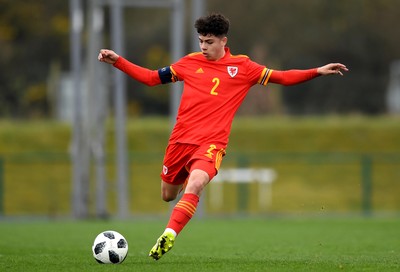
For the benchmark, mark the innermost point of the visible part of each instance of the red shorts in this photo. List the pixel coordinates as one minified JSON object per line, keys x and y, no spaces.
{"x":180,"y":159}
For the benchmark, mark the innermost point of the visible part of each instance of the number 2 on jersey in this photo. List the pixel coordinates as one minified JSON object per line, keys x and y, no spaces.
{"x":216,"y":83}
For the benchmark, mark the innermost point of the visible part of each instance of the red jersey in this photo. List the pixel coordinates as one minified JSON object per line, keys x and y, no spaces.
{"x":212,"y":93}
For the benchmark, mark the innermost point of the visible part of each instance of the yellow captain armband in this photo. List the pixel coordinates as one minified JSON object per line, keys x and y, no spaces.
{"x":265,"y":74}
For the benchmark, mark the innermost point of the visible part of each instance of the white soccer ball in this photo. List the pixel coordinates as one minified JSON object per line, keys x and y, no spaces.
{"x":110,"y":247}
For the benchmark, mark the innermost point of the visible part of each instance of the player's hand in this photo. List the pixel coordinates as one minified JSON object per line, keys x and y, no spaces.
{"x":107,"y":56}
{"x":332,"y":69}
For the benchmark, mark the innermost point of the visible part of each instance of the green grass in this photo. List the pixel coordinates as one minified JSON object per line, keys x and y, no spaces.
{"x":252,"y":244}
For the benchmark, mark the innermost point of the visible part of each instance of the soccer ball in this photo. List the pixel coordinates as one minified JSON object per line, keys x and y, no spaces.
{"x":110,"y":247}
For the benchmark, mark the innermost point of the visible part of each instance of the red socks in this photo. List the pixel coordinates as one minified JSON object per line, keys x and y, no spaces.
{"x":183,"y":212}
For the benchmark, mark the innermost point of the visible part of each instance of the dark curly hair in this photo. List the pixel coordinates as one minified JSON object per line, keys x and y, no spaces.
{"x":215,"y":24}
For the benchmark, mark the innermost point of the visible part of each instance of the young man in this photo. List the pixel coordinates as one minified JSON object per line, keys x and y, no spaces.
{"x":215,"y":84}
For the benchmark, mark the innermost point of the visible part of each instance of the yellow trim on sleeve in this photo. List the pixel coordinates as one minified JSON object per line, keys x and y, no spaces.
{"x":239,"y":56}
{"x":174,"y":77}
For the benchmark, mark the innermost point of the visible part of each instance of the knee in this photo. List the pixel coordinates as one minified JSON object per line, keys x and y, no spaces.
{"x":168,"y":196}
{"x":169,"y":192}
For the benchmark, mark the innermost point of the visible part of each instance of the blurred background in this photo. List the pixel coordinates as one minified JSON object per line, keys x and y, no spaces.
{"x":79,"y":138}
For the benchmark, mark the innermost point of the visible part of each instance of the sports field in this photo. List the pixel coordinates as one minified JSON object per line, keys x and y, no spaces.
{"x":239,"y":244}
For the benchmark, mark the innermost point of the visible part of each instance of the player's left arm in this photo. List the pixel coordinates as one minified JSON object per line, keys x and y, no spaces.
{"x":292,"y":77}
{"x":141,"y":74}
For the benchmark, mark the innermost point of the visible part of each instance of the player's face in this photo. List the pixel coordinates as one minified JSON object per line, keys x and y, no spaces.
{"x":212,"y":46}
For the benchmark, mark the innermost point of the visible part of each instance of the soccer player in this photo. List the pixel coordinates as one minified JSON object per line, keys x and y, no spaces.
{"x":215,"y":84}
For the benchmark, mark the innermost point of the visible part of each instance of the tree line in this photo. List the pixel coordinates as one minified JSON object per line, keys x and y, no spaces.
{"x":284,"y":34}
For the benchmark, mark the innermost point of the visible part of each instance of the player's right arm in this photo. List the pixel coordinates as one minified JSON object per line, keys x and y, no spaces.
{"x":141,"y":74}
{"x":292,"y":77}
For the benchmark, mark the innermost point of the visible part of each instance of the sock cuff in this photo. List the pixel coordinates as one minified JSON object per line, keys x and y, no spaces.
{"x":191,"y":197}
{"x":188,"y":204}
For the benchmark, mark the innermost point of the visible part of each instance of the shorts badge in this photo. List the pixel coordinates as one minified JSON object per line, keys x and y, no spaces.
{"x":165,"y":169}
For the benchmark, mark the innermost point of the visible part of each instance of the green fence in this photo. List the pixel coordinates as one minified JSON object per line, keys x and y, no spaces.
{"x":1,"y":187}
{"x":358,"y":180}
{"x":40,"y":184}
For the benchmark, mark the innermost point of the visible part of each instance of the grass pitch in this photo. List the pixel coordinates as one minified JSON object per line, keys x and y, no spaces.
{"x":246,"y":244}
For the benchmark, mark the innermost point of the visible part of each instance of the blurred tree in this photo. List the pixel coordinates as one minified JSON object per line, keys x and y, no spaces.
{"x":362,"y":34}
{"x":32,"y":34}
{"x":282,"y":34}
{"x":147,"y":43}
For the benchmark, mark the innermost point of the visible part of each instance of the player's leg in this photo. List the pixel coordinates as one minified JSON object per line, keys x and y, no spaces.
{"x":187,"y":205}
{"x":198,"y":179}
{"x":183,"y":210}
{"x":166,"y":241}
{"x":202,"y":166}
{"x":169,"y":191}
{"x":202,"y":169}
{"x":173,"y":177}
{"x":181,"y":213}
